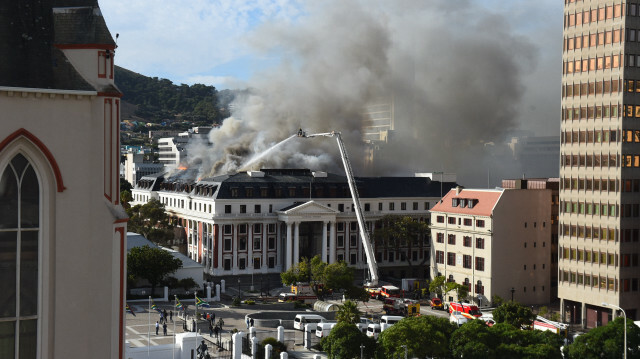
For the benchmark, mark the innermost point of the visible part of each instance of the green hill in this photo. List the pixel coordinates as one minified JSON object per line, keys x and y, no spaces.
{"x":160,"y":101}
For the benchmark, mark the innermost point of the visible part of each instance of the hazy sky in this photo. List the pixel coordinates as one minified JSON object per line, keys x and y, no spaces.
{"x":223,"y":42}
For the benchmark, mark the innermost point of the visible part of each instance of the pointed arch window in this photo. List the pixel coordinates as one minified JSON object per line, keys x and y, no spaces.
{"x":19,"y":259}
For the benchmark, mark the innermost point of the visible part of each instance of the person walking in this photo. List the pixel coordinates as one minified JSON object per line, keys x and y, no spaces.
{"x":213,"y":318}
{"x":171,"y":315}
{"x":247,"y":321}
{"x":220,"y":323}
{"x":164,"y":315}
{"x":251,"y":322}
{"x":210,"y":330}
{"x":157,"y":327}
{"x":164,"y":328}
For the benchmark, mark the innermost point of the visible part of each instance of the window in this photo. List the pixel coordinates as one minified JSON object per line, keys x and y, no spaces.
{"x":242,"y":263}
{"x":243,"y":208}
{"x":257,"y":228}
{"x":467,"y":222}
{"x":480,"y":243}
{"x":367,"y":207}
{"x":466,"y":241}
{"x":257,"y":243}
{"x":466,"y":261}
{"x":451,"y":220}
{"x":19,"y":232}
{"x":340,"y":241}
{"x":392,"y":206}
{"x":440,"y":257}
{"x":480,"y":223}
{"x":272,"y":262}
{"x":272,"y":243}
{"x":242,"y":228}
{"x":271,"y":227}
{"x":451,"y":239}
{"x":415,"y":206}
{"x":403,"y":206}
{"x":340,"y":226}
{"x":353,"y":240}
{"x":380,"y":206}
{"x":440,"y":237}
{"x":227,"y":264}
{"x":227,"y":229}
{"x":440,"y":219}
{"x":341,"y":207}
{"x":451,"y":259}
{"x":479,"y":288}
{"x":242,"y":243}
{"x":480,"y":263}
{"x":354,"y":258}
{"x":227,"y":208}
{"x":257,"y":208}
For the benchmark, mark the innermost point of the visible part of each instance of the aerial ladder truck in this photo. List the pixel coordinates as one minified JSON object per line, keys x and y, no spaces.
{"x":364,"y":234}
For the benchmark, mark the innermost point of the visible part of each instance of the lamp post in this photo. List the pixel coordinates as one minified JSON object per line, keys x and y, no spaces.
{"x":361,"y":351}
{"x":625,"y":325}
{"x":513,"y":290}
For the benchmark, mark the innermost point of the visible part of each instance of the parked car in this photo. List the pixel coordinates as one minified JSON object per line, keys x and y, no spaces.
{"x":302,"y":319}
{"x":323,"y":329}
{"x":436,"y":303}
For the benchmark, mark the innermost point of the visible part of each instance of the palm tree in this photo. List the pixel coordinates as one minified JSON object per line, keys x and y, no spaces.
{"x":348,"y":313}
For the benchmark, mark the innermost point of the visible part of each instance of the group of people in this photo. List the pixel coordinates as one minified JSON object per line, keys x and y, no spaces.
{"x":249,"y":322}
{"x":164,"y":327}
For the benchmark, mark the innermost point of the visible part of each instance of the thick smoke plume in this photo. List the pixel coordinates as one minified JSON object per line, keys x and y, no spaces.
{"x":453,"y":69}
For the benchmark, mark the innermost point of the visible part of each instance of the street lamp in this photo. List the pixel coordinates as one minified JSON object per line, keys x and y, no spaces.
{"x":361,"y":351}
{"x":625,"y":325}
{"x":513,"y":290}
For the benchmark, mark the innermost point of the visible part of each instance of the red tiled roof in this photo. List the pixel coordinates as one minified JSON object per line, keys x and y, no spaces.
{"x":486,"y":201}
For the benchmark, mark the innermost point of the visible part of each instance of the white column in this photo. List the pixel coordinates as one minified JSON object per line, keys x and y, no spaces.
{"x":323,"y":255}
{"x":332,"y":242}
{"x":287,"y":259}
{"x":220,"y":241}
{"x":234,"y":249}
{"x":264,"y":243}
{"x":250,"y":247}
{"x":296,"y":243}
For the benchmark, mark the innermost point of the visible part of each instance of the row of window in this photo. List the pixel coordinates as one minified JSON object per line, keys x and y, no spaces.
{"x":595,"y":64}
{"x":466,"y":260}
{"x":594,"y":15}
{"x":599,"y":111}
{"x":463,"y":202}
{"x":242,"y":263}
{"x":604,"y":258}
{"x":242,"y":228}
{"x":592,"y":88}
{"x":589,"y":280}
{"x":604,"y":185}
{"x":588,"y":232}
{"x":466,"y":240}
{"x":596,"y":209}
{"x":592,"y":40}
{"x":589,"y":136}
{"x":242,"y":244}
{"x":478,"y":287}
{"x":460,"y":221}
{"x":595,"y":160}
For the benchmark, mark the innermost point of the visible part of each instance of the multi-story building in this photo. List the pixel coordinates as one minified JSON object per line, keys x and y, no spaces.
{"x":495,"y":241}
{"x":600,"y":161}
{"x":537,"y":155}
{"x":265,"y":221}
{"x":173,"y":150}
{"x":62,"y":229}
{"x":135,"y":167}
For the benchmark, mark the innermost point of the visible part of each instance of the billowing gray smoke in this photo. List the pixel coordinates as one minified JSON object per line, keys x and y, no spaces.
{"x":454,"y":70}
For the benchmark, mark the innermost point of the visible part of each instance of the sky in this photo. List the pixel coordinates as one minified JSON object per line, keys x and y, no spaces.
{"x":471,"y":73}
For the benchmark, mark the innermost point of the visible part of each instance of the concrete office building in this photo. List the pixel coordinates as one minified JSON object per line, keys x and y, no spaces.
{"x":599,"y":216}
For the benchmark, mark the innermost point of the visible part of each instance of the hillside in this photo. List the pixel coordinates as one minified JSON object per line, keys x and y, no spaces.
{"x":161,"y":102}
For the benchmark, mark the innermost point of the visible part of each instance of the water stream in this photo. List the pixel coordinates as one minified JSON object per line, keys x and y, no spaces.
{"x":265,"y":152}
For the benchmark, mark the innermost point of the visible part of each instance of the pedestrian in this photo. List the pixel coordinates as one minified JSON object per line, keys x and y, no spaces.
{"x":210,"y":329}
{"x":160,"y":318}
{"x":220,"y":323}
{"x":157,"y":327}
{"x":251,"y":322}
{"x":213,"y":318}
{"x":193,"y":321}
{"x":216,"y":331}
{"x":164,"y":315}
{"x":164,"y":328}
{"x":247,"y":321}
{"x":171,"y":315}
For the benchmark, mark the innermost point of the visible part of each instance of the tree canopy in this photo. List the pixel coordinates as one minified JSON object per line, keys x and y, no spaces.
{"x":334,"y":276}
{"x":151,"y":263}
{"x":150,"y":220}
{"x":348,"y":313}
{"x":606,"y":342}
{"x":515,"y":314}
{"x":344,"y":341}
{"x":424,"y":336}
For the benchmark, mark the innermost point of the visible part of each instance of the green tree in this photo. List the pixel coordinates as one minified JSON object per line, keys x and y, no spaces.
{"x":125,"y":185}
{"x":348,"y":313}
{"x":424,"y":336}
{"x":125,"y":198}
{"x":151,"y":263}
{"x":393,"y":231}
{"x":344,"y":341}
{"x":337,"y":276}
{"x":299,"y":273}
{"x":150,"y":220}
{"x":461,"y":290}
{"x":438,"y":286}
{"x":515,"y":314}
{"x":473,"y":340}
{"x":606,"y":342}
{"x":358,"y":294}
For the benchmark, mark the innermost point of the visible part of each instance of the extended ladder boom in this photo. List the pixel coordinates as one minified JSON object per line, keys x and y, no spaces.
{"x":364,"y":234}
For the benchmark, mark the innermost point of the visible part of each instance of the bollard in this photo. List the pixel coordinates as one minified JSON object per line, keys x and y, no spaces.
{"x":281,"y":334}
{"x":267,"y":351}
{"x":284,"y":355}
{"x":217,"y":293}
{"x":237,"y":345}
{"x":222,"y":286}
{"x":254,"y":346}
{"x":252,"y":332}
{"x":208,"y":293}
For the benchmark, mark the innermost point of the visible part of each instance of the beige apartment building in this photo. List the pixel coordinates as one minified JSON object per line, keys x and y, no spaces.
{"x":600,"y":161}
{"x":496,"y":241}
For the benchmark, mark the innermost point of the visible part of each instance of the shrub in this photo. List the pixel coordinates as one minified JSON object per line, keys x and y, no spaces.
{"x":277,"y":348}
{"x":249,"y":302}
{"x":236,"y":302}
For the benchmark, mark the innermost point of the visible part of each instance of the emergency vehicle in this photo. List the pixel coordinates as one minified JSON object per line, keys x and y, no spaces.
{"x":545,"y":324}
{"x":467,"y":310}
{"x":300,"y":292}
{"x":399,"y":306}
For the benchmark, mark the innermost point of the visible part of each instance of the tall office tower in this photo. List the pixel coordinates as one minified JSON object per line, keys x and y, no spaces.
{"x":600,"y":162}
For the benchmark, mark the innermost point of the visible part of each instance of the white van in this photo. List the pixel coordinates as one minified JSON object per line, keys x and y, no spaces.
{"x":323,"y":329}
{"x":302,"y":319}
{"x":364,"y":323}
{"x":373,"y":330}
{"x":390,"y":319}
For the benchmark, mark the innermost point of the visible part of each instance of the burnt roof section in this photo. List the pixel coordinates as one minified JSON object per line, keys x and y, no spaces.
{"x":279,"y":183}
{"x":29,"y":58}
{"x":76,"y":25}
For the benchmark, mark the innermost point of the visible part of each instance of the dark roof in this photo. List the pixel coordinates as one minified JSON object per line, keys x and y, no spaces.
{"x":242,"y":185}
{"x":80,"y":25}
{"x":27,"y":37}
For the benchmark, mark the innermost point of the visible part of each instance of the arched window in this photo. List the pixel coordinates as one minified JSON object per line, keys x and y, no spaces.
{"x":479,"y":288}
{"x":19,"y":250}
